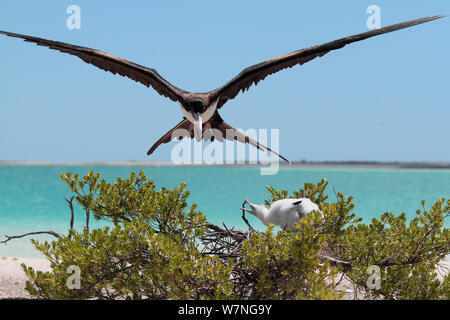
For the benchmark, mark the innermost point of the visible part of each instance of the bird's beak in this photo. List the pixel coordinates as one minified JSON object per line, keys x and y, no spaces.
{"x":198,"y":126}
{"x":252,"y":210}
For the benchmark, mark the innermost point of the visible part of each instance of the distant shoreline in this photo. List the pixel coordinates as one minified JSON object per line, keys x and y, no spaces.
{"x":343,"y":164}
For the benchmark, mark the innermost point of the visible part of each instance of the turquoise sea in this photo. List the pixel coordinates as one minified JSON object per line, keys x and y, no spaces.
{"x":31,"y":197}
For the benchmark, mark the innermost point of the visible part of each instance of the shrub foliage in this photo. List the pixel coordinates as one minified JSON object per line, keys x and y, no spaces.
{"x":155,"y":246}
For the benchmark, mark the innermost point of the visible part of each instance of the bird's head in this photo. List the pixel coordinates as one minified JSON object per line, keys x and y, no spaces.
{"x":259,"y":211}
{"x":197,"y":107}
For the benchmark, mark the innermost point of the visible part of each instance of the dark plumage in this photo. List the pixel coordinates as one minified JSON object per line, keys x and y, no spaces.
{"x":201,"y":109}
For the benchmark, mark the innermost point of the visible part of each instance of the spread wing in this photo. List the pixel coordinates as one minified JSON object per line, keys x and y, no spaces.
{"x":146,"y":76}
{"x":252,"y":75}
{"x":184,"y":125}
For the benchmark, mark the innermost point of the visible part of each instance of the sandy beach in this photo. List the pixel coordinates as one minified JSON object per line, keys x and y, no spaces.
{"x":443,"y":268}
{"x":12,"y":277}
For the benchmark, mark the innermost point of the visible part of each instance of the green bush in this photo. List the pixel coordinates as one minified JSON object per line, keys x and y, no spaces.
{"x":157,"y":247}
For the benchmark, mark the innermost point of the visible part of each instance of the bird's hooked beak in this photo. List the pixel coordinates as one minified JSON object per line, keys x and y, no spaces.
{"x":198,"y":126}
{"x":252,"y":209}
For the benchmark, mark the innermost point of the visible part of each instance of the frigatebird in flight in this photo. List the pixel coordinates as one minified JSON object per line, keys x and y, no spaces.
{"x":200,"y":110}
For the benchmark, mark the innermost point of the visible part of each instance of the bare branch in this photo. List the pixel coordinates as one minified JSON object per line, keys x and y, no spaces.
{"x":70,"y":202}
{"x":336,"y":262}
{"x":8,"y":238}
{"x":222,"y":242}
{"x":87,"y":219}
{"x":245,"y":219}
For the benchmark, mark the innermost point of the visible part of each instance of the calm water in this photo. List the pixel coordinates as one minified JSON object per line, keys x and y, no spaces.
{"x":31,"y":197}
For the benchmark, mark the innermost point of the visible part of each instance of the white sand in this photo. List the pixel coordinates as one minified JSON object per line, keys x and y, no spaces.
{"x":443,"y":268}
{"x":12,"y":277}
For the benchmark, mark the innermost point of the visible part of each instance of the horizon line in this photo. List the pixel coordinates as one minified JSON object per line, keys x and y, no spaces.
{"x":305,"y":163}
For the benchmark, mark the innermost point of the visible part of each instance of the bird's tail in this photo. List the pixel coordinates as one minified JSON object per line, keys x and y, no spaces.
{"x":226,"y":131}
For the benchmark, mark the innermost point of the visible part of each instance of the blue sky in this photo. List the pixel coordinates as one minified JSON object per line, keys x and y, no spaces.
{"x":385,"y":99}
